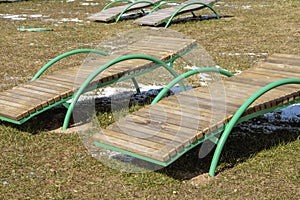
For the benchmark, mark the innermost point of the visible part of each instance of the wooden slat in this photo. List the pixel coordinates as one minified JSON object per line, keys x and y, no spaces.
{"x":284,"y":59}
{"x":27,"y":103}
{"x":12,"y":112}
{"x":150,"y":131}
{"x":159,"y":142}
{"x":134,"y":148}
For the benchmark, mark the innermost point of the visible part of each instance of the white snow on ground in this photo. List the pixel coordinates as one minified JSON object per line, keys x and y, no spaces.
{"x":246,"y":54}
{"x":290,"y":113}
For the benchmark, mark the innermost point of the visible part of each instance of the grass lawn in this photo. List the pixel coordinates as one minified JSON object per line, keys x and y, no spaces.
{"x":38,"y":164}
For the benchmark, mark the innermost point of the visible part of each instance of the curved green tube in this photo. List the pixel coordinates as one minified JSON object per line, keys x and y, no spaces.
{"x":238,"y":114}
{"x":186,"y":5}
{"x":185,"y":75}
{"x":114,"y":2}
{"x":76,"y":51}
{"x":130,"y":5}
{"x":101,"y":69}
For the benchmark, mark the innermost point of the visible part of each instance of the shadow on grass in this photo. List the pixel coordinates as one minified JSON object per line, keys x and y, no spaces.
{"x":195,"y":18}
{"x":47,"y":121}
{"x":246,"y":140}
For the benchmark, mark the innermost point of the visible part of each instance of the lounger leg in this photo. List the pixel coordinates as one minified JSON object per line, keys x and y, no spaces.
{"x":66,"y":105}
{"x":136,"y":85}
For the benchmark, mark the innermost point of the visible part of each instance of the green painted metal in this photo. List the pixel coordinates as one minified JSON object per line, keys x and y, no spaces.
{"x":130,"y":5}
{"x":136,"y":85}
{"x":83,"y":87}
{"x":185,"y":75}
{"x":66,"y":105}
{"x":116,"y":1}
{"x":189,"y":4}
{"x":162,"y":4}
{"x":64,"y":55}
{"x":238,"y":115}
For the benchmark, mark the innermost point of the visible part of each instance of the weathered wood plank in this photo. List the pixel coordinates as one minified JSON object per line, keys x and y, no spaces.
{"x":133,"y":147}
{"x":21,"y":101}
{"x":170,"y":146}
{"x":284,"y":59}
{"x":12,"y":112}
{"x":149,"y":130}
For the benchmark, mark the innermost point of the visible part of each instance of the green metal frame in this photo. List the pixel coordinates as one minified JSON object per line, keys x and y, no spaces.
{"x":189,"y":4}
{"x":237,"y":116}
{"x":84,"y":87}
{"x":132,"y":4}
{"x":227,"y":128}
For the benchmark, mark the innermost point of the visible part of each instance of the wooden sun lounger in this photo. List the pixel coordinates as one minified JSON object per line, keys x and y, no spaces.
{"x":19,"y":104}
{"x":166,"y":15}
{"x":164,"y":131}
{"x":114,"y":13}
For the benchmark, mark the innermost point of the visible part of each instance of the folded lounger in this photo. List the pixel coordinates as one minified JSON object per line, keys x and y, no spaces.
{"x":114,"y":13}
{"x":164,"y":131}
{"x":127,"y":56}
{"x":166,"y":15}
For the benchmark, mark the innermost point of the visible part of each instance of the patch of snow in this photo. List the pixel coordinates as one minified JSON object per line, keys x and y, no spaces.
{"x":246,"y":54}
{"x":21,"y":16}
{"x":88,"y":4}
{"x":70,"y":20}
{"x":291,"y":113}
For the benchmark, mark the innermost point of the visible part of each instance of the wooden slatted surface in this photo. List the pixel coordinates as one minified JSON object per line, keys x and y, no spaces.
{"x":21,"y":101}
{"x":113,"y":12}
{"x":163,"y":130}
{"x":161,"y":15}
